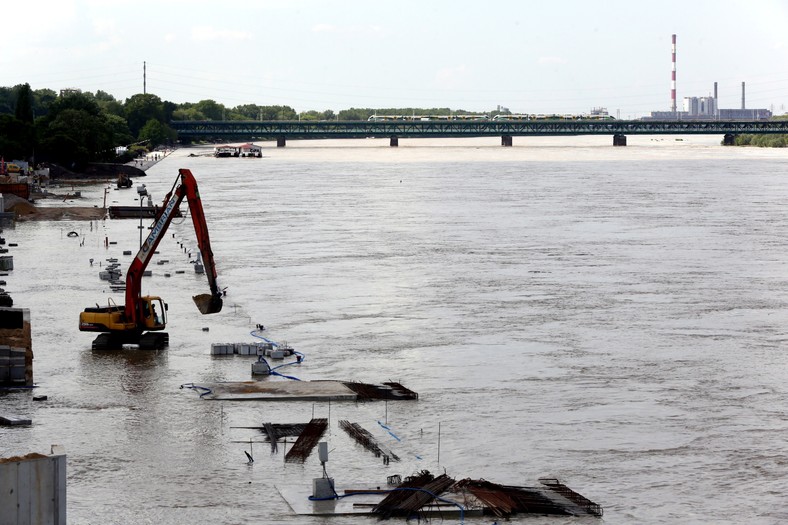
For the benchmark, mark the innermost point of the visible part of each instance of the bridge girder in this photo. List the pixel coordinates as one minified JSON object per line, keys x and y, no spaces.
{"x":483,"y":128}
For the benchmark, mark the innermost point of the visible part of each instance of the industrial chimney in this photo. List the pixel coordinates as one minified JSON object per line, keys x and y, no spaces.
{"x":673,"y":77}
{"x":742,"y":95}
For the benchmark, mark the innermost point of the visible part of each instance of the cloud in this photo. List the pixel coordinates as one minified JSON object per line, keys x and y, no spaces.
{"x":551,"y":60}
{"x":208,"y":33}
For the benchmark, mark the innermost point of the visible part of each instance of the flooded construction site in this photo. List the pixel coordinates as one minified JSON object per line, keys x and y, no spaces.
{"x":534,"y":338}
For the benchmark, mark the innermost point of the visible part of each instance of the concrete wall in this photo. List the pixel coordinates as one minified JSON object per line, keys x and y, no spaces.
{"x":15,"y":334}
{"x":33,"y":489}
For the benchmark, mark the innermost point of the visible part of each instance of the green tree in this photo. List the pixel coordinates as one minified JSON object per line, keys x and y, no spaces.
{"x":190,"y":113}
{"x":169,"y":108}
{"x":121,"y":135}
{"x":109,"y":104}
{"x":309,"y":115}
{"x":78,"y":101}
{"x":211,"y":109}
{"x":355,"y":114}
{"x":281,"y":113}
{"x":24,"y":103}
{"x":12,"y":143}
{"x":74,"y":136}
{"x":7,"y":101}
{"x":156,"y":133}
{"x":140,"y":109}
{"x":248,"y":111}
{"x":42,"y":100}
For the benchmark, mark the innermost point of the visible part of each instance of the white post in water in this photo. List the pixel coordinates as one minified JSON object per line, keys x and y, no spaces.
{"x":439,"y":443}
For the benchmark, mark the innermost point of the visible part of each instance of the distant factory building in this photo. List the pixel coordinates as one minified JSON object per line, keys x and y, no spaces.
{"x":745,"y":114}
{"x":706,"y":108}
{"x":703,"y":108}
{"x":700,"y":106}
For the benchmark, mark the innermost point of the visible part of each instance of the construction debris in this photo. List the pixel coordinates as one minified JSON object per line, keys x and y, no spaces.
{"x":275,"y":431}
{"x":301,"y":391}
{"x":366,"y":440}
{"x":423,"y":496}
{"x":412,"y":495}
{"x":389,"y":390}
{"x":307,"y":441}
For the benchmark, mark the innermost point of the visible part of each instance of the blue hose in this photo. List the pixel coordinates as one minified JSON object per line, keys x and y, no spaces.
{"x":301,"y":357}
{"x":254,"y":333}
{"x":198,"y":387}
{"x":282,"y":375}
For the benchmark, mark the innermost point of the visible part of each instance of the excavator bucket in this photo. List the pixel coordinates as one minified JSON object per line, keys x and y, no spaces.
{"x":207,"y":303}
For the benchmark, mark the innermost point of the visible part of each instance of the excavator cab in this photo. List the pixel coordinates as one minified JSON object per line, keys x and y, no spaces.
{"x":153,"y":313}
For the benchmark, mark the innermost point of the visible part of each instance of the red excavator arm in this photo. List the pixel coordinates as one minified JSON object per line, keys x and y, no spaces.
{"x":184,"y":186}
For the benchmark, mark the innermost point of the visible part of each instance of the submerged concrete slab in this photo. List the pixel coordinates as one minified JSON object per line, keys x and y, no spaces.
{"x":9,"y":420}
{"x":361,"y":500}
{"x":278,"y":391}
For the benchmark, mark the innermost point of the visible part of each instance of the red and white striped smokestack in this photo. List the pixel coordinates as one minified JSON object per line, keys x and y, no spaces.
{"x":673,"y":77}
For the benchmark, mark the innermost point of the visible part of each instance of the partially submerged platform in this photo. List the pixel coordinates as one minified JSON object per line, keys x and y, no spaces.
{"x":136,"y":212}
{"x":424,"y":496}
{"x":302,"y":391}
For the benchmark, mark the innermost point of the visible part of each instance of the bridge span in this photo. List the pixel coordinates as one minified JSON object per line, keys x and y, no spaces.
{"x":281,"y":130}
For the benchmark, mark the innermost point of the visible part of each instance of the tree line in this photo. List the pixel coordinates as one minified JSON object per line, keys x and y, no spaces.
{"x":73,"y":128}
{"x":763,"y":141}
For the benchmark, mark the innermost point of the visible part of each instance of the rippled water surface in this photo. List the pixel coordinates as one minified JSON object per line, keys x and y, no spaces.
{"x":613,"y":317}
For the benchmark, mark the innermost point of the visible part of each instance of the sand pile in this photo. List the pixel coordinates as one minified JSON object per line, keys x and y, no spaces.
{"x":16,"y":204}
{"x":25,"y":211}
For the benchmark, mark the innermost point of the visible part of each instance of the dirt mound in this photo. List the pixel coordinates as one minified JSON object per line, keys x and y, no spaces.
{"x":14,"y":459}
{"x":79,"y":213}
{"x":25,"y":211}
{"x":17,"y":204}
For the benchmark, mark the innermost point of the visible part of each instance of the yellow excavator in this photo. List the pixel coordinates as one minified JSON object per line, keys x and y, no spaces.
{"x":138,"y":321}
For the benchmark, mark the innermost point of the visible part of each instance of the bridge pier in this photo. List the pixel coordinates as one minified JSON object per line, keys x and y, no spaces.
{"x":394,"y":142}
{"x":619,"y":139}
{"x":729,"y":139}
{"x":506,"y":140}
{"x":280,"y":141}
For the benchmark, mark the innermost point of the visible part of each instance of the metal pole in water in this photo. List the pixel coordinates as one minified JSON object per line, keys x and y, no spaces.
{"x":439,"y":442}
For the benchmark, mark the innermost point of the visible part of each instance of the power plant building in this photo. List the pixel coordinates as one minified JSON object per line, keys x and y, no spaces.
{"x":703,"y":108}
{"x":700,"y":106}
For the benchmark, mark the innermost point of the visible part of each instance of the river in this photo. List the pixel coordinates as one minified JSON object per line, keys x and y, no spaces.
{"x":613,"y":317}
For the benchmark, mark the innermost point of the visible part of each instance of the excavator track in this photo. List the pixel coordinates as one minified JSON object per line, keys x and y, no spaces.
{"x":103,"y":342}
{"x":148,"y":341}
{"x":154,"y":341}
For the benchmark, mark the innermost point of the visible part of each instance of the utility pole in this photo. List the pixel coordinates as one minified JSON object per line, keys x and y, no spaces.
{"x":144,"y":78}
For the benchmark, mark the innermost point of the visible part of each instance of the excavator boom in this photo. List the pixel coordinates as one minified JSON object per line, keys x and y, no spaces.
{"x":139,"y":321}
{"x":185,"y":187}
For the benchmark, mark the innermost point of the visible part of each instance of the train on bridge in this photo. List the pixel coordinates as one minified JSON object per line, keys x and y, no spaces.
{"x":595,"y":114}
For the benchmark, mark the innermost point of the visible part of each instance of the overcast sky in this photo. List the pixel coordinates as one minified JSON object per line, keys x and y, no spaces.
{"x":535,"y":56}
